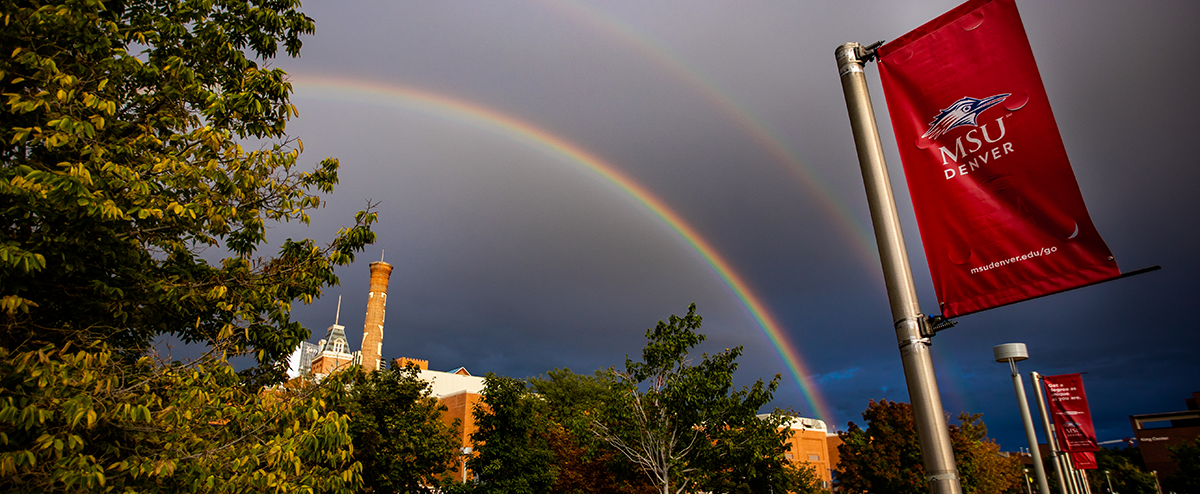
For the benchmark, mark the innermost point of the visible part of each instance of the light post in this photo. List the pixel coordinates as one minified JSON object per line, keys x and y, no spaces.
{"x":1157,"y":486}
{"x":1106,"y":477}
{"x":1028,"y":487}
{"x":466,"y":451}
{"x":1012,"y":353}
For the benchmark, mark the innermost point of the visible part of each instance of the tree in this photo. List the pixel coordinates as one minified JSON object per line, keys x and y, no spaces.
{"x":803,"y":479}
{"x":585,"y":464}
{"x":397,"y":429}
{"x":513,"y":454}
{"x":981,"y":467}
{"x":1123,"y":472}
{"x":886,"y":456}
{"x":85,"y":420}
{"x":122,"y":174}
{"x":122,"y":164}
{"x":684,"y":424}
{"x":1187,"y":478}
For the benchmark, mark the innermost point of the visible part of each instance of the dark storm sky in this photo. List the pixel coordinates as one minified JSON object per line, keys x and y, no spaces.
{"x":515,"y":260}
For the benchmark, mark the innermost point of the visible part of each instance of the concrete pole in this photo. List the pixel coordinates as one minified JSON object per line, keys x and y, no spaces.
{"x":1050,"y":440}
{"x":936,"y":451}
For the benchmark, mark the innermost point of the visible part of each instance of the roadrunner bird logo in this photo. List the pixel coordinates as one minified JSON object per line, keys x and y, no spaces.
{"x":962,"y":112}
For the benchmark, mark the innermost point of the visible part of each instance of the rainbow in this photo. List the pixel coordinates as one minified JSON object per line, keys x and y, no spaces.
{"x":409,"y":99}
{"x":858,"y":231}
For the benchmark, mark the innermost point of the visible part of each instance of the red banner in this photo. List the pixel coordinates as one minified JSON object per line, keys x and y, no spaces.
{"x":1085,"y":460}
{"x":1069,"y":409}
{"x":1000,"y":213}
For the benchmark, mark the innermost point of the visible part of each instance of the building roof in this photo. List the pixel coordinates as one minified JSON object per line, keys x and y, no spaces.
{"x":335,"y":334}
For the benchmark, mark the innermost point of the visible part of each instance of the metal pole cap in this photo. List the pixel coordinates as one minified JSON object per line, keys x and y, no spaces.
{"x":1010,"y":351}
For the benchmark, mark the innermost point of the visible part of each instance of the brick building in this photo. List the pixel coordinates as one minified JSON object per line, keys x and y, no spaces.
{"x":459,"y":391}
{"x":1156,"y":431}
{"x":810,"y":444}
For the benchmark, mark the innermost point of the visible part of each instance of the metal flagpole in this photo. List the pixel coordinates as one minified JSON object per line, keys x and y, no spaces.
{"x":1074,"y":475}
{"x":1071,"y":478}
{"x":1069,"y":467}
{"x":910,"y":324}
{"x":1050,"y":440}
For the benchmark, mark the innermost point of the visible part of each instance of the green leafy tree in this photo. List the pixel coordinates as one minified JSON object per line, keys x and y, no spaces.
{"x":86,"y":420}
{"x":512,"y":446}
{"x":397,"y":429}
{"x":1124,"y":474}
{"x":686,"y":426}
{"x":1187,"y":478}
{"x":981,"y":467}
{"x":122,"y":174}
{"x":585,"y":463}
{"x":122,"y":162}
{"x":803,"y":479}
{"x":886,"y":456}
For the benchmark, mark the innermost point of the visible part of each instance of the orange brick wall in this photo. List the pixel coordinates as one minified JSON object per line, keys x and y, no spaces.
{"x":460,"y":406}
{"x":832,"y":442}
{"x":324,"y":364}
{"x":404,"y":361}
{"x":810,"y":446}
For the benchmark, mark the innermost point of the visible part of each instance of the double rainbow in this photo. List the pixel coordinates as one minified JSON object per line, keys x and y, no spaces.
{"x":855,"y":229}
{"x":411,"y":99}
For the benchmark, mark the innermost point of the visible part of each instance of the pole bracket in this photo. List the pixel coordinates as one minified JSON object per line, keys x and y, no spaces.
{"x":922,"y":336}
{"x":943,"y":476}
{"x":912,"y":341}
{"x":932,"y":325}
{"x":867,"y":53}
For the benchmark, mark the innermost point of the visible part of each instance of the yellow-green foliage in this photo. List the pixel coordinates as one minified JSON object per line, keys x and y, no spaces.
{"x":123,"y":178}
{"x":121,"y":131}
{"x":77,"y":419}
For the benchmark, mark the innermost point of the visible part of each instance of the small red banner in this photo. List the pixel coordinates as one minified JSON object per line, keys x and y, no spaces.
{"x":1000,"y":213}
{"x":1084,"y":460}
{"x":1069,"y":409}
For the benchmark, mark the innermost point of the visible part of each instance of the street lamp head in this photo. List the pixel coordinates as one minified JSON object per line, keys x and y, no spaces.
{"x":1015,"y":352}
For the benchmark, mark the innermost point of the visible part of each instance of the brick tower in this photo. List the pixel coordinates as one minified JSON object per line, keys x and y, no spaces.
{"x":372,"y":345}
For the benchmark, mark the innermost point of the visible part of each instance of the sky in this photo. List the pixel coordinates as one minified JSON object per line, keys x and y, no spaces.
{"x":554,"y":177}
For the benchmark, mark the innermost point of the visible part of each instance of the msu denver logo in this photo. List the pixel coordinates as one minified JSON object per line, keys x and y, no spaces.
{"x":962,"y":112}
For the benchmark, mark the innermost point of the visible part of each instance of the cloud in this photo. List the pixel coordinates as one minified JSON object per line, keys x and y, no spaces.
{"x":840,"y":375}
